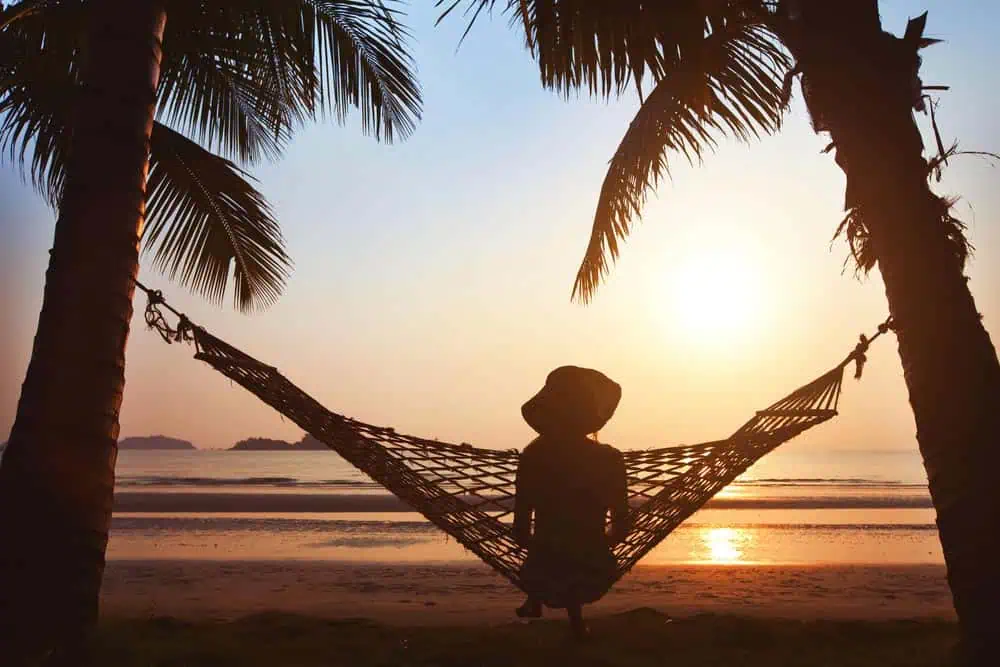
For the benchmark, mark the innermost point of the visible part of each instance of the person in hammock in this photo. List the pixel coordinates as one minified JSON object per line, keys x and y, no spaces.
{"x":568,"y":483}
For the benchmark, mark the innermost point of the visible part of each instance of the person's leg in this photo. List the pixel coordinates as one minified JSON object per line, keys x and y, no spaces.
{"x":535,"y":576}
{"x":532,"y":608}
{"x":576,"y":622}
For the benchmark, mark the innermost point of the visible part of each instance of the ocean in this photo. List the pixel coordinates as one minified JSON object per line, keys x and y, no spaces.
{"x":793,"y":507}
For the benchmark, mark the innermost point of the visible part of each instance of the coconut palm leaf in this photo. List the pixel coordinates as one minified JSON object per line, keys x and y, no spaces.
{"x":607,"y":45}
{"x":37,"y":87}
{"x":206,"y":221}
{"x":716,"y":69}
{"x":732,"y":88}
{"x":241,"y":75}
{"x":362,"y":63}
{"x":213,"y":94}
{"x":224,"y":77}
{"x":33,"y":139}
{"x":237,"y":77}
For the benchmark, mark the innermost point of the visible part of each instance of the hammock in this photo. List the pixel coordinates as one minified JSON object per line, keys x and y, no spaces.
{"x":468,"y":492}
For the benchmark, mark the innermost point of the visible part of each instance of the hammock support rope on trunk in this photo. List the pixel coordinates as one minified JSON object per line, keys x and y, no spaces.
{"x":468,"y":492}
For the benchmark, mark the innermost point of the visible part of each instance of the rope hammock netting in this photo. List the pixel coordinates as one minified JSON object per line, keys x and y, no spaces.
{"x":468,"y":492}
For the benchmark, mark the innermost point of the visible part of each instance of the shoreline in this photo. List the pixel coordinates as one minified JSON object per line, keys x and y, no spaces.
{"x":471,"y":594}
{"x":137,"y":502}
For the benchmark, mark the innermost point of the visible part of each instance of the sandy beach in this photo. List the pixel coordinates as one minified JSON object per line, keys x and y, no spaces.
{"x":455,"y":594}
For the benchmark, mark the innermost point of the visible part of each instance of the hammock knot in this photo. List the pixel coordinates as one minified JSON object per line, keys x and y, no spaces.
{"x":887,"y":326}
{"x":182,"y":333}
{"x":859,"y":357}
{"x":185,"y":330}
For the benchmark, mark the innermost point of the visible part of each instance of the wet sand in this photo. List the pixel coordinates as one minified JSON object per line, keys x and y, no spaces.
{"x":456,"y":594}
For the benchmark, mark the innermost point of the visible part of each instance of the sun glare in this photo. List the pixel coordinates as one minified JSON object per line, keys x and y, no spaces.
{"x":724,"y":545}
{"x":715,"y":296}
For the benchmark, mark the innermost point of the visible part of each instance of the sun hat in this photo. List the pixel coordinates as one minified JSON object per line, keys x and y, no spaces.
{"x":574,"y":401}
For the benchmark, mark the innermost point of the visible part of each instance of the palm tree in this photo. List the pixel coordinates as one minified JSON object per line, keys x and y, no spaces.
{"x":123,"y":112}
{"x":726,"y":67}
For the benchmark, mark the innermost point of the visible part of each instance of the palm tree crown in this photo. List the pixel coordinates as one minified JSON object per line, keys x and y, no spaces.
{"x":238,"y":77}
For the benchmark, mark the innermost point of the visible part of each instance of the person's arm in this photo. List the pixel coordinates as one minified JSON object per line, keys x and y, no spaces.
{"x":620,"y":519}
{"x":523,"y":504}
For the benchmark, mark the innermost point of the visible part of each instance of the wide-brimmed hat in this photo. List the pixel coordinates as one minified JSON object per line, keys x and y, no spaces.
{"x":574,"y":401}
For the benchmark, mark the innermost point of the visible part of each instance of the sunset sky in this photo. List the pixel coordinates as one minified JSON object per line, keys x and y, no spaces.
{"x":432,"y":277}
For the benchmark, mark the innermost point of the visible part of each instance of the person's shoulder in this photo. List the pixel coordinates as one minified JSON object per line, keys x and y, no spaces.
{"x":609,"y":449}
{"x":611,"y":452}
{"x":531,"y":449}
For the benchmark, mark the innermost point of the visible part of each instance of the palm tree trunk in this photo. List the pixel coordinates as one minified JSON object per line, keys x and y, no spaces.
{"x":57,"y":474}
{"x":861,"y":87}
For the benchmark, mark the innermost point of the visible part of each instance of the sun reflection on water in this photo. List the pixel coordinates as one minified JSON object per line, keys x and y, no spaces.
{"x":733,"y":491}
{"x":725,"y":545}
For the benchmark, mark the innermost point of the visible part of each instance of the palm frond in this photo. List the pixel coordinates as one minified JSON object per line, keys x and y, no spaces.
{"x":733,"y":87}
{"x":205,"y":222}
{"x":363,"y":63}
{"x":240,"y":76}
{"x":223,"y":77}
{"x":33,"y":136}
{"x":205,"y":219}
{"x":606,"y":46}
{"x":716,"y":67}
{"x":38,"y":86}
{"x":223,"y":102}
{"x":476,"y":8}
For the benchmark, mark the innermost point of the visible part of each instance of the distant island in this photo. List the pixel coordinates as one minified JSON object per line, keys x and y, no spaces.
{"x":307,"y":443}
{"x":165,"y":443}
{"x":154,"y":442}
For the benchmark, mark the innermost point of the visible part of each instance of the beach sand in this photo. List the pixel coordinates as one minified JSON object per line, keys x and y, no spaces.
{"x":458,"y":594}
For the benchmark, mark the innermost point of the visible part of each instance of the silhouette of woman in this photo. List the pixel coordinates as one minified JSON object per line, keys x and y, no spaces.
{"x":567,"y":482}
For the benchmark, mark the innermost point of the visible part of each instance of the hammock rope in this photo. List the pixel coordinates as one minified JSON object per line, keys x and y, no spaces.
{"x":468,"y":492}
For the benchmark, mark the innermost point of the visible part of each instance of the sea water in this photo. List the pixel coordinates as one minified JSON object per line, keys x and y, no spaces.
{"x":792,"y":507}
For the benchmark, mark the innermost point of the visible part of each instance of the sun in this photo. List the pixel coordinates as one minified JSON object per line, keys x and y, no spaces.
{"x":715,"y":295}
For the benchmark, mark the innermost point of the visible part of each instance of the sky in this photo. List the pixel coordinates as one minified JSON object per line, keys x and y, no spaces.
{"x":431,"y":289}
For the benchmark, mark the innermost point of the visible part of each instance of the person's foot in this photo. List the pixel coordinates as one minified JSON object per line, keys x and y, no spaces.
{"x":530,"y":609}
{"x":580,"y":631}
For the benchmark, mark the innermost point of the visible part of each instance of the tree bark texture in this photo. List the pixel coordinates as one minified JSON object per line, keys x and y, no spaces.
{"x":861,"y":86}
{"x":57,"y":474}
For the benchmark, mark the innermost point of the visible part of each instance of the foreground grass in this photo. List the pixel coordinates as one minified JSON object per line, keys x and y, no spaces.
{"x":635,"y":639}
